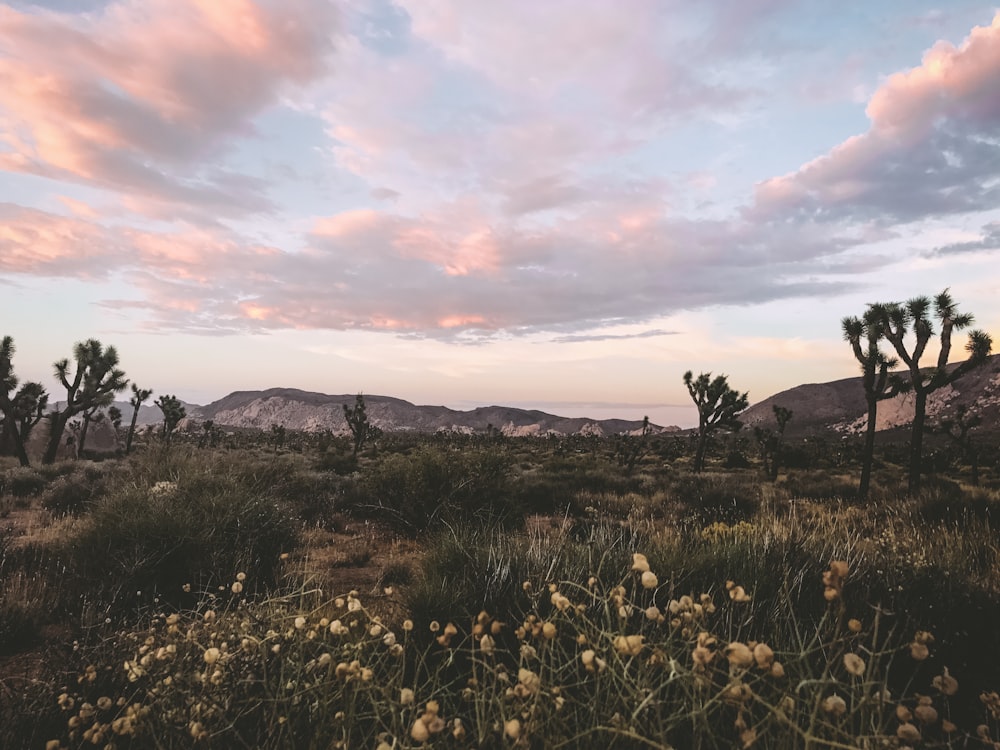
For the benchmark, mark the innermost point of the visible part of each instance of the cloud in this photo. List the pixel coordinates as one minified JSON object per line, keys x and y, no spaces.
{"x":144,"y":97}
{"x":990,"y":241}
{"x":577,"y":338}
{"x":930,"y":149}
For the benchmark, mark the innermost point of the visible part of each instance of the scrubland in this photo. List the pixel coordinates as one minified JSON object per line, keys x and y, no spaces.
{"x":469,"y":592}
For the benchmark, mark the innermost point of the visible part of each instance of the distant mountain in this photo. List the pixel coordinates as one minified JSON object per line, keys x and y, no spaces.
{"x":839,"y":406}
{"x":314,"y":412}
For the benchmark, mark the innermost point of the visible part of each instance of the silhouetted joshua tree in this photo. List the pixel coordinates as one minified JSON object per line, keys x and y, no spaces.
{"x":718,"y":408}
{"x":770,"y":441}
{"x":139,"y":396}
{"x":173,"y":412}
{"x":96,"y":377}
{"x":362,"y":430}
{"x":913,"y":317}
{"x":876,"y":379}
{"x":21,"y":412}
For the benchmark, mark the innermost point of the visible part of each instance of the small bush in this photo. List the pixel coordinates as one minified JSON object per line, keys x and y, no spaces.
{"x":418,"y":491}
{"x":71,"y":494}
{"x":708,"y":498}
{"x":24,"y":482}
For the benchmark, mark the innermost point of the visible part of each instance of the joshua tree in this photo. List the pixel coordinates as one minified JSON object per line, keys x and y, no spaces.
{"x":21,"y":412}
{"x":96,"y":378}
{"x":897,"y":321}
{"x":770,"y":441}
{"x":93,"y":414}
{"x":718,"y":407}
{"x":958,"y":429}
{"x":173,"y":412}
{"x":357,"y":420}
{"x":139,"y":396}
{"x":876,"y":379}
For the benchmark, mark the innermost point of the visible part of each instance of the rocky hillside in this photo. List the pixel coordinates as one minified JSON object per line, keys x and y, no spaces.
{"x":313,"y":412}
{"x":839,"y":407}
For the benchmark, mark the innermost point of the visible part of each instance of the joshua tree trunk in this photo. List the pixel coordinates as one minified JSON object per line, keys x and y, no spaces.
{"x":917,"y":439}
{"x":869,"y":455}
{"x":57,"y":425}
{"x":699,"y":456}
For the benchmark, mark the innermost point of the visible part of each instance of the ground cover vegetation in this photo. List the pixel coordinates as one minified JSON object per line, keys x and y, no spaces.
{"x":211,"y":587}
{"x":482,"y":591}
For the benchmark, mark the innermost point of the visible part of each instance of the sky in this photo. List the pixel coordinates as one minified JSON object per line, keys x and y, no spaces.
{"x":561,"y":205}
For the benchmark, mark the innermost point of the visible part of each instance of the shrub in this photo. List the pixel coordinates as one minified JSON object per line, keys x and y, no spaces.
{"x":157,"y":539}
{"x":708,"y":498}
{"x":24,"y":482}
{"x":72,"y":494}
{"x":429,"y":486}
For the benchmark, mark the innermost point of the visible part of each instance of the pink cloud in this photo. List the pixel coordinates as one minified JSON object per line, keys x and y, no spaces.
{"x":926,"y":152}
{"x":145,"y":94}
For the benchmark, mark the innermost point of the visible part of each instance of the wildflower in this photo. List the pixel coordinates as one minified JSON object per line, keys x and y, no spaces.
{"x":406,"y":696}
{"x":639,"y":563}
{"x":389,"y":639}
{"x":903,"y":713}
{"x":652,"y":613}
{"x":375,"y":630}
{"x":300,"y":622}
{"x":945,"y":683}
{"x":512,"y":729}
{"x":649,"y":580}
{"x":407,"y":625}
{"x":486,"y":644}
{"x":777,"y":670}
{"x":591,"y":582}
{"x":560,"y":602}
{"x":763,"y":655}
{"x":926,"y":714}
{"x":739,"y":655}
{"x":629,"y":645}
{"x":435,"y":626}
{"x":854,"y":664}
{"x":908,"y":733}
{"x":237,"y":587}
{"x":337,"y":628}
{"x":458,"y":731}
{"x":854,"y":625}
{"x":833,"y":580}
{"x":104,"y":703}
{"x":197,"y":730}
{"x":835,"y":705}
{"x":529,"y":680}
{"x":53,"y":745}
{"x":419,"y":731}
{"x":738,"y":594}
{"x":948,"y":727}
{"x":241,"y":576}
{"x":549,"y":631}
{"x":211,"y":655}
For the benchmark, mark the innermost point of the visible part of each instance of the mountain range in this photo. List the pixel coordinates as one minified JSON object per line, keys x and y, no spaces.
{"x":836,"y":407}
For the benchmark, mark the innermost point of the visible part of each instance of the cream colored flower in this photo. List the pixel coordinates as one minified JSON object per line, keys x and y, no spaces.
{"x":629,"y":645}
{"x":649,"y":580}
{"x":854,"y":664}
{"x":835,"y":705}
{"x":739,"y":655}
{"x":639,"y":563}
{"x":512,"y":729}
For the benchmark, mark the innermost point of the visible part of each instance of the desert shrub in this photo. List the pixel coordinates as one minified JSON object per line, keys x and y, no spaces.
{"x":431,"y":486}
{"x":556,"y":485}
{"x":707,"y":498}
{"x":820,"y":486}
{"x":961,"y":508}
{"x":159,"y":539}
{"x":72,"y":493}
{"x":24,"y":482}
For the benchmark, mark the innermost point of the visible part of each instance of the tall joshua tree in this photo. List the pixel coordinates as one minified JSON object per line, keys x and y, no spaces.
{"x":718,"y":407}
{"x":173,"y":412}
{"x":914,"y":316}
{"x":139,"y":396}
{"x":22,"y":411}
{"x":96,"y":377}
{"x":876,"y":379}
{"x":362,"y":430}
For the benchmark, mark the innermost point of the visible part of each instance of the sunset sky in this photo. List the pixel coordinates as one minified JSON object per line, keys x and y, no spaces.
{"x":557,"y":204}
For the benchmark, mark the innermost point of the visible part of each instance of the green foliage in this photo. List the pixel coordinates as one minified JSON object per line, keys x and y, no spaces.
{"x":432,"y":486}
